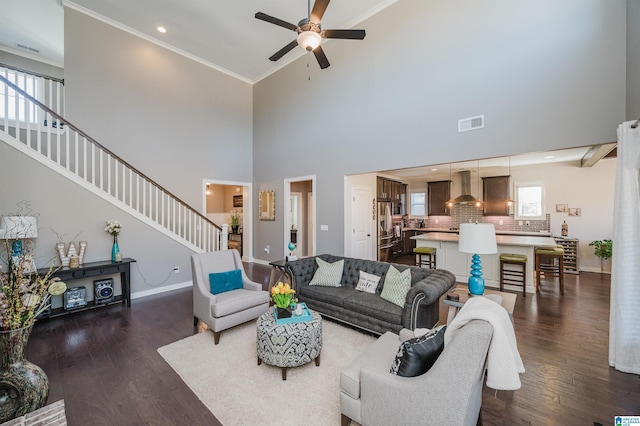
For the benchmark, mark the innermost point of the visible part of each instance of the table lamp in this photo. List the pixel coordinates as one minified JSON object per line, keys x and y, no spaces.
{"x":17,"y":228}
{"x":477,"y":238}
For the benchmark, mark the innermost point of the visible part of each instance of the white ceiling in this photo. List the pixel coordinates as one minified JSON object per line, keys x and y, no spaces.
{"x":223,"y":34}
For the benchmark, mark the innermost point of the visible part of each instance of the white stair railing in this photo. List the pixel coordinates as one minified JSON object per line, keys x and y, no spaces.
{"x":52,"y":140}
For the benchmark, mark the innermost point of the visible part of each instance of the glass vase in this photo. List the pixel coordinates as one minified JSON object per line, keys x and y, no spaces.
{"x":115,"y":251}
{"x":24,"y":386}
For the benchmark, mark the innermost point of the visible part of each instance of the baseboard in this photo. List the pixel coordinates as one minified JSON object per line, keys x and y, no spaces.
{"x":140,"y":294}
{"x":261,"y":262}
{"x":595,"y":270}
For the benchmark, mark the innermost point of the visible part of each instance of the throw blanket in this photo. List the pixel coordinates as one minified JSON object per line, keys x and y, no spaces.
{"x":503,"y":359}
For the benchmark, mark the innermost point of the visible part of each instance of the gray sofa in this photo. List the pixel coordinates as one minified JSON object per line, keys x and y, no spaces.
{"x":370,"y":311}
{"x":450,"y":393}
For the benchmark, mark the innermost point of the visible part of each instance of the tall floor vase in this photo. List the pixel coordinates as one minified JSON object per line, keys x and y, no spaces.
{"x":24,"y":386}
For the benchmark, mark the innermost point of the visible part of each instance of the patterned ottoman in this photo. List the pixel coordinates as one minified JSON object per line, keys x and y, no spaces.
{"x":289,"y":345}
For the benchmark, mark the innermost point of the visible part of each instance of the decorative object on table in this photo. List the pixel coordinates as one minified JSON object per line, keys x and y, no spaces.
{"x":603,"y":249}
{"x":282,"y":296}
{"x":83,"y":250}
{"x":564,"y":229}
{"x":66,"y":254}
{"x":575,"y":211}
{"x":24,"y":387}
{"x":113,"y":228}
{"x":103,"y":291}
{"x":75,"y":297}
{"x":74,"y":262}
{"x":476,"y":239}
{"x":235,"y":221}
{"x":19,"y":228}
{"x":292,"y":248}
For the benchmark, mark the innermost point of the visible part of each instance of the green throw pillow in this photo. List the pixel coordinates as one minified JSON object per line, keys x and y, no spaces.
{"x":220,"y":282}
{"x":328,"y":274}
{"x":396,"y":286}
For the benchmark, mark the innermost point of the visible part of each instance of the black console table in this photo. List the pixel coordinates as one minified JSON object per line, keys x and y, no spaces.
{"x":95,"y":269}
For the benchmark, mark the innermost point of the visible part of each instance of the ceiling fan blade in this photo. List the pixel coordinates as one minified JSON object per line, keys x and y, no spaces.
{"x":318,"y":10}
{"x":280,"y":53}
{"x":344,"y":34}
{"x":276,"y":21}
{"x":321,"y":57}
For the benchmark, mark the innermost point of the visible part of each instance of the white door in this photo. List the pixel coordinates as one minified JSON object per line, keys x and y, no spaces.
{"x":361,"y":219}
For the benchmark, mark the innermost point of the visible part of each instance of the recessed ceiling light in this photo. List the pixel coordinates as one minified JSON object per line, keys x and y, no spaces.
{"x":548,"y":157}
{"x":434,"y":170}
{"x":162,"y":29}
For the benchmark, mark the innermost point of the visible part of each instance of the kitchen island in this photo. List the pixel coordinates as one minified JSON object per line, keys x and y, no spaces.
{"x":449,"y":258}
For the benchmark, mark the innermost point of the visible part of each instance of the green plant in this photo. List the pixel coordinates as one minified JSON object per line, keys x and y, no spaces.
{"x":235,"y":218}
{"x":602,"y":248}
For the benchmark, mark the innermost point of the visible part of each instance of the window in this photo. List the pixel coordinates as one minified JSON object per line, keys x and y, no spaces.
{"x":529,"y":201}
{"x":26,"y":83}
{"x":417,"y":204}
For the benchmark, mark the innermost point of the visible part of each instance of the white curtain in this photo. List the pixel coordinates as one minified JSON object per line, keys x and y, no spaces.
{"x":624,"y":323}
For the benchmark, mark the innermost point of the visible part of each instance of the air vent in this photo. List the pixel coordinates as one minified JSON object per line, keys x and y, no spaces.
{"x":30,"y":49}
{"x":471,"y":123}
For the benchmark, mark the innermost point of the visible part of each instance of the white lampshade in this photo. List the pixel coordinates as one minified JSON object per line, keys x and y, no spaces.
{"x":477,"y":238}
{"x":309,"y":40}
{"x":18,"y":227}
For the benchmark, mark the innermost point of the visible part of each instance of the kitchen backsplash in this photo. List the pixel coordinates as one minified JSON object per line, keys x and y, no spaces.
{"x":464,"y":213}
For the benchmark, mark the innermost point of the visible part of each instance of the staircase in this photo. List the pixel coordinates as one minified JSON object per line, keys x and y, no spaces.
{"x":39,"y":130}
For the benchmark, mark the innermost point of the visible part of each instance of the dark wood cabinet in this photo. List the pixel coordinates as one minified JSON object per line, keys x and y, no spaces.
{"x":409,"y":244}
{"x":495,"y":193}
{"x":384,"y":189}
{"x":438,"y":195}
{"x":398,"y":197}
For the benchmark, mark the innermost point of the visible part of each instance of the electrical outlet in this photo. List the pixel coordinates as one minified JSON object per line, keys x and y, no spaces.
{"x":527,"y":223}
{"x":176,"y":269}
{"x":267,"y":249}
{"x":502,"y":222}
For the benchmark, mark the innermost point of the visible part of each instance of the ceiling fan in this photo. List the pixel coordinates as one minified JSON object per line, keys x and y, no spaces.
{"x":310,"y":34}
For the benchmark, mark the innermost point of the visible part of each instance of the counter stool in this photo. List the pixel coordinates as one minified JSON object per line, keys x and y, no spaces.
{"x":429,"y":252}
{"x":513,"y":276}
{"x":550,"y":259}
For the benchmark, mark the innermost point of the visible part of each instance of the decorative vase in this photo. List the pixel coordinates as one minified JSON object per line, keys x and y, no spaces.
{"x":234,"y":228}
{"x":24,"y":386}
{"x":115,"y":251}
{"x":283,"y":312}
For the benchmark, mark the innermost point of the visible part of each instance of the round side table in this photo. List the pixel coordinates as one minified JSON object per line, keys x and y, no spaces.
{"x":289,"y":345}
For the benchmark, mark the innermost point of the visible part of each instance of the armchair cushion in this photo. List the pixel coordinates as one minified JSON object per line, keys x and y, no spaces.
{"x":328,"y":274}
{"x":219,"y":282}
{"x":417,"y":355}
{"x":396,"y":286}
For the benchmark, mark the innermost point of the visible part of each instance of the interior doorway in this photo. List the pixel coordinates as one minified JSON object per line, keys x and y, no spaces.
{"x":224,"y":199}
{"x":299,"y":217}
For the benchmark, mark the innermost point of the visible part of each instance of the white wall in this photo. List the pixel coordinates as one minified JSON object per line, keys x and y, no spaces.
{"x":546,"y":75}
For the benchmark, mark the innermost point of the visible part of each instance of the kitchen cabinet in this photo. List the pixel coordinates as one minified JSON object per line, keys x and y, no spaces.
{"x":438,"y":195}
{"x":495,"y":193}
{"x":398,"y":197}
{"x":409,"y":244}
{"x":384,"y":189}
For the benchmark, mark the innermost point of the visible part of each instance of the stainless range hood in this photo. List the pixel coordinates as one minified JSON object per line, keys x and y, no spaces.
{"x":465,"y":197}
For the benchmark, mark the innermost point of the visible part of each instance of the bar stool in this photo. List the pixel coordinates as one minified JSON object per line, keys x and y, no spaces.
{"x":550,"y":259}
{"x":513,"y":276}
{"x":429,"y":252}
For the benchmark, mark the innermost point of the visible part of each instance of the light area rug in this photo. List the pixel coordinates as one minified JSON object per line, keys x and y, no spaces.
{"x":227,"y":379}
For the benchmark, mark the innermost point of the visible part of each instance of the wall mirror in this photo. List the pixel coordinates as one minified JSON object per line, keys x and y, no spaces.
{"x":267,"y":205}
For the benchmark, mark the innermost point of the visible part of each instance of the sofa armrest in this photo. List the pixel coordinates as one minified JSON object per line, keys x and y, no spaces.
{"x":251,"y":285}
{"x":425,"y":293}
{"x":449,"y":393}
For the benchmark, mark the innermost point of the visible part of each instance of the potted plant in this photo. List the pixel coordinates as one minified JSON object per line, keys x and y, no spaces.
{"x":235,"y":221}
{"x":602,"y":249}
{"x":282,"y":296}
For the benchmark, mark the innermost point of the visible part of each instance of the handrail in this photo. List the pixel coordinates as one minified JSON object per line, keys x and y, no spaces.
{"x":35,"y":74}
{"x":106,"y":150}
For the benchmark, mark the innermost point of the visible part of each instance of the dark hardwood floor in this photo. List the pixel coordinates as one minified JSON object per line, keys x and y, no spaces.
{"x":104,"y":362}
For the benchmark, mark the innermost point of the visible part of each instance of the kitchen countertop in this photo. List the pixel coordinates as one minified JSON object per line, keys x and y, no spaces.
{"x":509,"y":240}
{"x":498,"y":232}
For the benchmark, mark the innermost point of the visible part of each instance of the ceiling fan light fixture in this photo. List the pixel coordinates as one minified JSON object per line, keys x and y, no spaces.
{"x":309,"y":40}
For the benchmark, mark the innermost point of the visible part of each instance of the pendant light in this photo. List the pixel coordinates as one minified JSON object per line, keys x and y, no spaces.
{"x":510,"y":201}
{"x":450,"y":202}
{"x":478,"y":202}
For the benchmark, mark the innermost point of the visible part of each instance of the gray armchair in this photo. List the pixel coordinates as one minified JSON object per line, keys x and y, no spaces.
{"x":450,"y":393}
{"x":224,"y":310}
